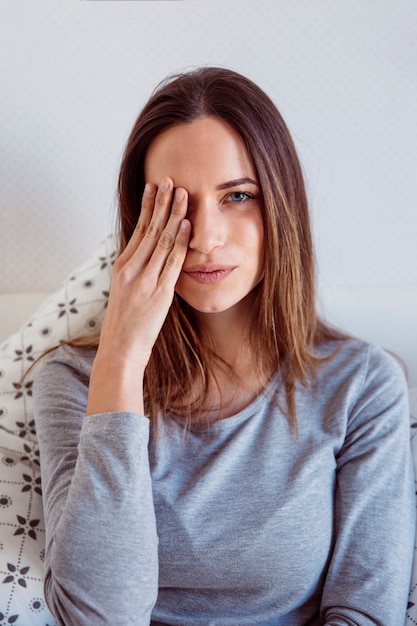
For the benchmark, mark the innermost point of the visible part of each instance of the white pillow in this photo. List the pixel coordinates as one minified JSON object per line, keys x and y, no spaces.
{"x":77,"y":308}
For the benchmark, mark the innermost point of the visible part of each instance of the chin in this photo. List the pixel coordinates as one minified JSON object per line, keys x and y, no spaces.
{"x":217,"y":306}
{"x":208,"y":308}
{"x":218,"y":301}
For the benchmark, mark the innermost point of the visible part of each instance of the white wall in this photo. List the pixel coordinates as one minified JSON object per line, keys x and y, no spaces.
{"x":75,"y":74}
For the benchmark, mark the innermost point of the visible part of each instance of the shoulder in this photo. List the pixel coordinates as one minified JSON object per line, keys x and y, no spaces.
{"x":360,"y":373}
{"x":364,"y":360}
{"x":65,"y":370}
{"x":79,"y":360}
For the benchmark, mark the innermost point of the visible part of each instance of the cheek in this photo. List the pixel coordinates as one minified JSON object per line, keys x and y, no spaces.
{"x":259,"y":246}
{"x":257,"y":236}
{"x":179,"y":287}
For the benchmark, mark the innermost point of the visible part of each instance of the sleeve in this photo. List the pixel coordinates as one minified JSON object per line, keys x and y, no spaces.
{"x":101,"y":564}
{"x":369,"y":573}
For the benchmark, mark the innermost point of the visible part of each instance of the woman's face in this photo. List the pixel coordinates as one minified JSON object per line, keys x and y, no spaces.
{"x":225,"y":259}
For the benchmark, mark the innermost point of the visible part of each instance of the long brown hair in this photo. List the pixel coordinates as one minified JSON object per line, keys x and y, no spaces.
{"x":284,"y":324}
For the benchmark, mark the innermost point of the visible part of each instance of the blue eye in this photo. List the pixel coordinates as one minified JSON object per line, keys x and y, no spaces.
{"x":240,"y":196}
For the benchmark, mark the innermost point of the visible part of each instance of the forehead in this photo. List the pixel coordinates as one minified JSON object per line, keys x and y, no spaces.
{"x":207,"y":149}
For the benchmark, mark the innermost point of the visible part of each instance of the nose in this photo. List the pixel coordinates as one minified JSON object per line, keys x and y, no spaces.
{"x":208,"y":228}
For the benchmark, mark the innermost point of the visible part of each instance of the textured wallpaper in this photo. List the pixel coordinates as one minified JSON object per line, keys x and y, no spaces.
{"x":74,"y":75}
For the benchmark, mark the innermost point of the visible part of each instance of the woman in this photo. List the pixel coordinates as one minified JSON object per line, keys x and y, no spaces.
{"x":219,"y":456}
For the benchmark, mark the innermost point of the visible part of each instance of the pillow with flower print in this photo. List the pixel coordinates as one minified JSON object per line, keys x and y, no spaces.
{"x":75,"y":309}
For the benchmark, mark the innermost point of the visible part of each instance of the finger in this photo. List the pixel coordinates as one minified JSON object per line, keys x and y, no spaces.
{"x":161,"y":211}
{"x":176,"y":257}
{"x":156,"y":203}
{"x":177,"y":214}
{"x":167,"y":238}
{"x":147,"y":207}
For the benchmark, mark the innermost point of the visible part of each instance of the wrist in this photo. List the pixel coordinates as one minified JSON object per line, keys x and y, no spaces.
{"x":116,"y":385}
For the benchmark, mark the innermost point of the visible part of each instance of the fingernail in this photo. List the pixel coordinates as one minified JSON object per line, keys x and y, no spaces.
{"x":179,"y":195}
{"x":164,"y":184}
{"x":148,"y":189}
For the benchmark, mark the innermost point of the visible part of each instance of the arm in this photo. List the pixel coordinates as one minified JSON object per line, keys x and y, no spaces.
{"x":142,"y":289}
{"x":369,"y":574}
{"x":101,"y":554}
{"x":101,"y":563}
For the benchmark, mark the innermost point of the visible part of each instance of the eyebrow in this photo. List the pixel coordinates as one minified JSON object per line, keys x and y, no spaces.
{"x":237,"y":182}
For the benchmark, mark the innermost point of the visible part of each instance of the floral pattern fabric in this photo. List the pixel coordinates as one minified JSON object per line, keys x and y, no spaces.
{"x":75,"y":309}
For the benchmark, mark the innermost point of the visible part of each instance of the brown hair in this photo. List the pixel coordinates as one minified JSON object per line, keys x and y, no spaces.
{"x":284,"y":324}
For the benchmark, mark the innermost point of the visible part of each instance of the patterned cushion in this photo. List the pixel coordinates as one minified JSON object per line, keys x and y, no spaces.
{"x":77,"y":308}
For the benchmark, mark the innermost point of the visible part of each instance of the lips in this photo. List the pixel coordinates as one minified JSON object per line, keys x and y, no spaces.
{"x":208,"y":273}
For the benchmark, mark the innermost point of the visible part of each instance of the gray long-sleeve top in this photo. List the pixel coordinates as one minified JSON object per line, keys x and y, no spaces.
{"x":238,"y":524}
